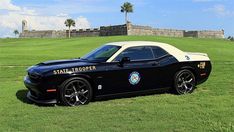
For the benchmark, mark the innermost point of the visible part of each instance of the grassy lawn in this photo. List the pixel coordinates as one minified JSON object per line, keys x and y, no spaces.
{"x":209,"y":108}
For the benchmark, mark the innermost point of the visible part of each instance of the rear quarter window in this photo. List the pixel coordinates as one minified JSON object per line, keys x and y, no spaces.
{"x":158,"y":52}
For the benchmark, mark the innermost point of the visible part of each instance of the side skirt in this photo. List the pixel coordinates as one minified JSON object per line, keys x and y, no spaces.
{"x":132,"y":94}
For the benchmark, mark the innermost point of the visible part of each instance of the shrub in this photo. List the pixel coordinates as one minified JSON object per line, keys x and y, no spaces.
{"x":230,"y":38}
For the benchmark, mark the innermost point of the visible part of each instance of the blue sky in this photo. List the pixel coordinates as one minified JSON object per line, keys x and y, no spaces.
{"x":177,"y":14}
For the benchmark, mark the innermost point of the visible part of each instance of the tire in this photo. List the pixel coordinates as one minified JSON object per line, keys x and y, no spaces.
{"x":75,"y":91}
{"x":184,"y":82}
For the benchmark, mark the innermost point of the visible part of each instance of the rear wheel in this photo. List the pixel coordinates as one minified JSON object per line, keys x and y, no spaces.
{"x":184,"y":82}
{"x":76,"y":91}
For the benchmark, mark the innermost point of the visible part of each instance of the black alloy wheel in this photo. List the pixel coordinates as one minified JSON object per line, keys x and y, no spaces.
{"x":75,"y":92}
{"x":184,"y":82}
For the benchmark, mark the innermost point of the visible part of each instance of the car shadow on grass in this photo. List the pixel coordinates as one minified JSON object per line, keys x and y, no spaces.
{"x":21,"y":95}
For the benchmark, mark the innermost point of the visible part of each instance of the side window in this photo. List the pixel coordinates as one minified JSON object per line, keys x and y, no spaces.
{"x":136,"y":53}
{"x":158,"y":52}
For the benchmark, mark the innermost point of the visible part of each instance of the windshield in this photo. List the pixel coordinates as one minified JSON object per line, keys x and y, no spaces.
{"x":101,"y":54}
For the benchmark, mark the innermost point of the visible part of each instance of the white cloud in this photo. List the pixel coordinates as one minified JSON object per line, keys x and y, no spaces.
{"x":82,"y":23}
{"x":220,"y":10}
{"x":26,"y":11}
{"x":62,"y":15}
{"x":7,"y":5}
{"x":12,"y":20}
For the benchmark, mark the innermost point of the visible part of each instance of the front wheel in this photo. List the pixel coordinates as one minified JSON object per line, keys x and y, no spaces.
{"x":184,"y":82}
{"x":75,"y":91}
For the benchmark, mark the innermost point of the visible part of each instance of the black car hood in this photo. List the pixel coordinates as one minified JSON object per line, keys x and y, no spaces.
{"x":48,"y":66}
{"x":56,"y":62}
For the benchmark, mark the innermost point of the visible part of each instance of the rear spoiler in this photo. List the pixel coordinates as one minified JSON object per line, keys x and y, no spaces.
{"x":197,"y":53}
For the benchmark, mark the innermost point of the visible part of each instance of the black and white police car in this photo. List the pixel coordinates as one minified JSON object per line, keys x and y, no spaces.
{"x":119,"y":68}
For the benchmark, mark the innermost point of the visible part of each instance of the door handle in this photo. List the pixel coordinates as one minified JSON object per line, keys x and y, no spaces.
{"x":155,"y":63}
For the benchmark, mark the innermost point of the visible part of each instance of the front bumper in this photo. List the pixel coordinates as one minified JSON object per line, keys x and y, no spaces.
{"x":37,"y":92}
{"x":36,"y":100}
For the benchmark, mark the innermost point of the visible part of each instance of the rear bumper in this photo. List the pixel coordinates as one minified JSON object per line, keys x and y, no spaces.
{"x":38,"y":94}
{"x":204,"y":73}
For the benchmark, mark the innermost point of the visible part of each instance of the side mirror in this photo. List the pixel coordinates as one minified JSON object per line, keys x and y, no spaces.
{"x":124,"y":60}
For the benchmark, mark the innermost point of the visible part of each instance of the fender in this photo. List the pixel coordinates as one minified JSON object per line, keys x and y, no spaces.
{"x":192,"y":69}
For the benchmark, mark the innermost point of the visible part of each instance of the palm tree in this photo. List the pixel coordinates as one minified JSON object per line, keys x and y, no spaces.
{"x":69,"y":23}
{"x":16,"y":32}
{"x":126,"y":8}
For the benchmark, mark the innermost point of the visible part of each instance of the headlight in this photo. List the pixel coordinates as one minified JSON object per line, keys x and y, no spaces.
{"x":34,"y":75}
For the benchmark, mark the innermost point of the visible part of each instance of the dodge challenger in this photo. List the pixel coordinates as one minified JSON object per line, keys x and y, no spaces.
{"x":118,"y":68}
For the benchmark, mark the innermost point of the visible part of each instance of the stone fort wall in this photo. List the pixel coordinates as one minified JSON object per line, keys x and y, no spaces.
{"x":149,"y":31}
{"x":210,"y":34}
{"x":43,"y":34}
{"x":126,"y":29}
{"x":84,"y":32}
{"x":102,"y":31}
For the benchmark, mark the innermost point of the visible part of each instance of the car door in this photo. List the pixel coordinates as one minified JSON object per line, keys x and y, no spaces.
{"x":135,"y":75}
{"x":162,"y":74}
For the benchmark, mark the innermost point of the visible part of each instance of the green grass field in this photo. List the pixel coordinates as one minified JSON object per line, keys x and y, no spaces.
{"x":209,"y":108}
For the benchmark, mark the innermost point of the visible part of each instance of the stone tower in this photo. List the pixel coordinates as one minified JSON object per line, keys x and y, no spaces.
{"x":24,"y":26}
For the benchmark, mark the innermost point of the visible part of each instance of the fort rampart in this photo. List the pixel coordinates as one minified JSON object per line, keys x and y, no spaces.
{"x":126,"y":29}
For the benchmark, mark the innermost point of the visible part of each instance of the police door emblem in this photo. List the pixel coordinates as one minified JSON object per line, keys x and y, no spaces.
{"x":134,"y":78}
